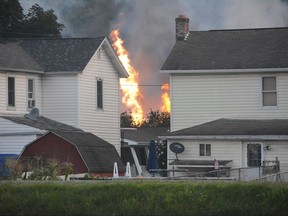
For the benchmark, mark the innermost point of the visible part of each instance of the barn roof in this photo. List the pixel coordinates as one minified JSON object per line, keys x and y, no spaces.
{"x":227,"y":127}
{"x":98,"y":155}
{"x":42,"y":123}
{"x":230,"y":49}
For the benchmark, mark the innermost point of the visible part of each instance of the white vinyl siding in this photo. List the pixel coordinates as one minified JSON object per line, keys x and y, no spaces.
{"x":278,"y":149}
{"x":197,"y":99}
{"x":105,"y":122}
{"x":60,"y":98}
{"x":220,"y":150}
{"x":13,"y":136}
{"x":21,"y":88}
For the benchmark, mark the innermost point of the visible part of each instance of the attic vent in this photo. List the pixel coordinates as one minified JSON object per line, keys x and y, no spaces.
{"x":33,"y":114}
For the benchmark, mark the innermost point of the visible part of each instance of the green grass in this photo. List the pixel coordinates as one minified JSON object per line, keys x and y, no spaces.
{"x":143,"y":198}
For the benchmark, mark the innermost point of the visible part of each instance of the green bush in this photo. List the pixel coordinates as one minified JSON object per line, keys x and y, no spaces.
{"x":142,"y":198}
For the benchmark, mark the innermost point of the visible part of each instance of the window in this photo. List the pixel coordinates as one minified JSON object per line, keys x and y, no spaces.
{"x":99,"y":94}
{"x":269,"y":92}
{"x":205,"y":149}
{"x":31,"y":94}
{"x":254,"y":155}
{"x":11,"y":91}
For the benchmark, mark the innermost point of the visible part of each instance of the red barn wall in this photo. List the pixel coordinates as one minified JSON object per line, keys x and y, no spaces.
{"x":51,"y":146}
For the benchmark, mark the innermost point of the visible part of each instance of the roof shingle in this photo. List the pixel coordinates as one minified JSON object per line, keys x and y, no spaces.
{"x":230,"y":49}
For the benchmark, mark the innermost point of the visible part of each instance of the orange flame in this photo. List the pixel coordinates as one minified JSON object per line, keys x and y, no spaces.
{"x":165,"y":98}
{"x":129,"y":86}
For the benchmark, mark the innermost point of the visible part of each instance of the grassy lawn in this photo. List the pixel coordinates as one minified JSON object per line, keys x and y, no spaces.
{"x":142,"y":198}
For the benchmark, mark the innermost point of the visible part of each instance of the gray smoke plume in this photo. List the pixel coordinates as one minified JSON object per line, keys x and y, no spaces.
{"x":148,"y":26}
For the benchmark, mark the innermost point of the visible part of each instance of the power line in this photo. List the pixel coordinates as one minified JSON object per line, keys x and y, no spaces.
{"x":156,"y":85}
{"x":22,"y":33}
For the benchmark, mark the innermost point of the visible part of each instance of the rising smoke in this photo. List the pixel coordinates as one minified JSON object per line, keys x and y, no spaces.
{"x":148,"y":26}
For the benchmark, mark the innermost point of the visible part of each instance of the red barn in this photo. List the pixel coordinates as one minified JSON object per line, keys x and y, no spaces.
{"x":87,"y":152}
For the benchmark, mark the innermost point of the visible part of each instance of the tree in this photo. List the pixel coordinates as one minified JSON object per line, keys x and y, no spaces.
{"x":154,"y":119}
{"x":36,"y":23}
{"x":126,"y":119}
{"x":40,"y":23}
{"x":157,"y":119}
{"x":11,"y":15}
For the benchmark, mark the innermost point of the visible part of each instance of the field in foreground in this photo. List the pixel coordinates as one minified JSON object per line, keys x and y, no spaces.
{"x":142,"y":198}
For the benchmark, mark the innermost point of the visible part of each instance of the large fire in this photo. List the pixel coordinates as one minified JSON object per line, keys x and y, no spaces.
{"x":129,"y":86}
{"x":165,"y":98}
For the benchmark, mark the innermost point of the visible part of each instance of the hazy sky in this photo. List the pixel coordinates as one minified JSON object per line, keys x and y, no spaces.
{"x":148,"y":26}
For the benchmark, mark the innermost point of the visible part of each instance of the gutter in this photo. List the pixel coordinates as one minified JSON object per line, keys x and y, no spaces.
{"x":61,"y":72}
{"x":228,"y":137}
{"x":21,"y":70}
{"x":24,"y":133}
{"x":226,"y":71}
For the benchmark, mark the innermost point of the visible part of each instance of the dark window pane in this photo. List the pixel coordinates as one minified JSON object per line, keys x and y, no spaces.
{"x":99,"y":94}
{"x":269,"y":84}
{"x":11,"y":91}
{"x":30,"y":85}
{"x":208,"y":150}
{"x":269,"y":99}
{"x":202,"y":149}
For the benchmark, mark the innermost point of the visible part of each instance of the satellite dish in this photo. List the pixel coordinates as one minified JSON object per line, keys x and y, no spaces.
{"x":33,"y":114}
{"x":177,"y":148}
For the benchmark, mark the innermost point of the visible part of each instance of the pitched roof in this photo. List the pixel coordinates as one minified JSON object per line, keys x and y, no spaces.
{"x":143,"y":134}
{"x":230,"y":49}
{"x":21,"y":59}
{"x":98,"y":154}
{"x":54,"y":54}
{"x":42,"y":123}
{"x":223,"y":127}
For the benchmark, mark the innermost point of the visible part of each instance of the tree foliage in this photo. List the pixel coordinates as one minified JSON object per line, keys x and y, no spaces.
{"x":153,"y":119}
{"x":36,"y":23}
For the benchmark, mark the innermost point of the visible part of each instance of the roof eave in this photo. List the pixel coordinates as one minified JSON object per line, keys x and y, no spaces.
{"x":227,"y":71}
{"x":226,"y":137}
{"x":61,"y":72}
{"x":114,"y":58}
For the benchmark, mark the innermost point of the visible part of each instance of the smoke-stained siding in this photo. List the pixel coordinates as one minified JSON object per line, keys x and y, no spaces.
{"x":105,"y":122}
{"x":198,"y":99}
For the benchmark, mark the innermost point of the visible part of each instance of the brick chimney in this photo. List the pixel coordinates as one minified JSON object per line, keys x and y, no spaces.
{"x":182,"y":27}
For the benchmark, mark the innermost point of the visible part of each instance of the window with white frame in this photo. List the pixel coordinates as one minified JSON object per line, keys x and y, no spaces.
{"x":31,"y":93}
{"x":205,"y":149}
{"x":99,"y":93}
{"x":269,"y":91}
{"x":11,"y":91}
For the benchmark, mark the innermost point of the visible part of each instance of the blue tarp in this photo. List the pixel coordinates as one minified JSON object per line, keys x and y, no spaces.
{"x":152,"y":158}
{"x":4,"y":172}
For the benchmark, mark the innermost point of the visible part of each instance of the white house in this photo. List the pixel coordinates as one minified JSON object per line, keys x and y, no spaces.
{"x":70,"y":80}
{"x":237,"y":74}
